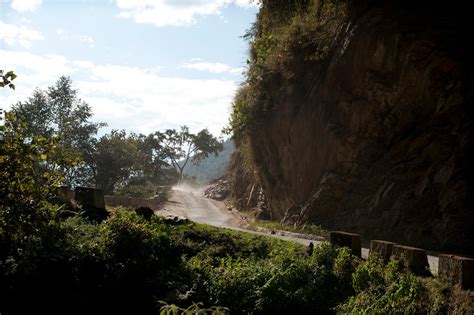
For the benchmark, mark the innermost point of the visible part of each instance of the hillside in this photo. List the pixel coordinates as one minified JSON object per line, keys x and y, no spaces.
{"x":358,"y":116}
{"x":213,"y":166}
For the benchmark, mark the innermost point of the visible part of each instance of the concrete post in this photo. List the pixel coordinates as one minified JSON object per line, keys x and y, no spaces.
{"x":415,"y":258}
{"x":90,"y":197}
{"x":381,"y":249}
{"x":344,"y":239}
{"x":457,"y":270}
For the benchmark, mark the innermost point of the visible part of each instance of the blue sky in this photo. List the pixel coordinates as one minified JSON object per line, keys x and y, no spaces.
{"x":143,"y":65}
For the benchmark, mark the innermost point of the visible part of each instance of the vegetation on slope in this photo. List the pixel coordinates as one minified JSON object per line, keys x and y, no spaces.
{"x":287,"y":35}
{"x":130,"y":264}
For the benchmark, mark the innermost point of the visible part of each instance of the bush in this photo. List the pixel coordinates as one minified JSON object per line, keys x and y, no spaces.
{"x":392,"y":289}
{"x":128,"y":264}
{"x":285,"y":280}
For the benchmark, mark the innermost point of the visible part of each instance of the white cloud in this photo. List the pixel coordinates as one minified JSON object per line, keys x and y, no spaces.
{"x":174,"y":13}
{"x":86,"y":40}
{"x":246,"y":3}
{"x":22,"y":35}
{"x":25,"y":5}
{"x":198,"y":64}
{"x":25,"y":20}
{"x":126,"y":97}
{"x":66,"y":35}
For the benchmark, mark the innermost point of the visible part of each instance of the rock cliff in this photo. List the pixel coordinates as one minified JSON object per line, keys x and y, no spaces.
{"x":362,"y":120}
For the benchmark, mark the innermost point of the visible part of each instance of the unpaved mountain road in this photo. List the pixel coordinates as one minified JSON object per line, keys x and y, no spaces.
{"x":188,"y":202}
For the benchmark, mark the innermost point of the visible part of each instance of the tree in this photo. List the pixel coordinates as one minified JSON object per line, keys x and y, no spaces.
{"x":181,"y":146}
{"x":21,"y":185}
{"x":153,"y":163}
{"x":115,"y":156}
{"x":25,"y":188}
{"x":59,"y":112}
{"x":125,"y":161}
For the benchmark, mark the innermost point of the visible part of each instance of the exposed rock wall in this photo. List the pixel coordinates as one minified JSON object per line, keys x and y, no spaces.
{"x":377,"y":139}
{"x":246,"y":190}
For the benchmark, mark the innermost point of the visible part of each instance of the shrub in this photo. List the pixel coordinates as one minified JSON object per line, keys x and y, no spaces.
{"x":392,"y":289}
{"x":285,"y":280}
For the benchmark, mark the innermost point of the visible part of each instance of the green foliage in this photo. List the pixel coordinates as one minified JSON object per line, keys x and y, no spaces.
{"x":117,"y":161}
{"x":285,"y":280}
{"x":195,"y":308}
{"x":393,"y":290}
{"x":241,"y":112}
{"x":30,"y":237}
{"x":7,"y":78}
{"x":58,"y":112}
{"x":24,"y":185}
{"x":130,"y":164}
{"x":21,"y":183}
{"x":128,"y":264}
{"x":293,"y":32}
{"x":312,"y":229}
{"x":116,"y":157}
{"x":287,"y":37}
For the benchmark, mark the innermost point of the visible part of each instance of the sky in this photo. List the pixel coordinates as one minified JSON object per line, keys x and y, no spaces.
{"x":142,"y":65}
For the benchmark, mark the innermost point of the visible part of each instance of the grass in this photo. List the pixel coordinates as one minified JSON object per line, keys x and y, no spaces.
{"x":309,"y":229}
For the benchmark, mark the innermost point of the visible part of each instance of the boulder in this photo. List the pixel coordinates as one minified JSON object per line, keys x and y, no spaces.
{"x":218,"y":191}
{"x":344,"y":239}
{"x":457,"y":270}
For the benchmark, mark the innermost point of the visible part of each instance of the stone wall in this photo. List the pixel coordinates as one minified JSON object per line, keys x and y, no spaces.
{"x":133,"y":203}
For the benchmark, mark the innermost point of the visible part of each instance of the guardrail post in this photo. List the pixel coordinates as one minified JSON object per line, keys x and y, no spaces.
{"x":415,"y":258}
{"x":457,"y":270}
{"x":344,"y":239}
{"x":381,"y":249}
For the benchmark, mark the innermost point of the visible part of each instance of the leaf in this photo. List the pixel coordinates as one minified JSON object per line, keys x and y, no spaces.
{"x":12,"y":86}
{"x":43,"y":156}
{"x":2,"y":84}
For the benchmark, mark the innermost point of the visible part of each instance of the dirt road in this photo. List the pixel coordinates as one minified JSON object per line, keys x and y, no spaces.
{"x":189,"y":202}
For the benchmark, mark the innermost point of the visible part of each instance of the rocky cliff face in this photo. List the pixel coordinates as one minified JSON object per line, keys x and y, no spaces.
{"x":246,"y":190}
{"x":376,"y":138}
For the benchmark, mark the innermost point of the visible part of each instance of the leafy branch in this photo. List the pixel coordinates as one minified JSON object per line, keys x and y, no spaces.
{"x":7,"y":78}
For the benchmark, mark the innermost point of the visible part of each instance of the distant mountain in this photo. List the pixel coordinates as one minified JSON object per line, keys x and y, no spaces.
{"x":212,"y":167}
